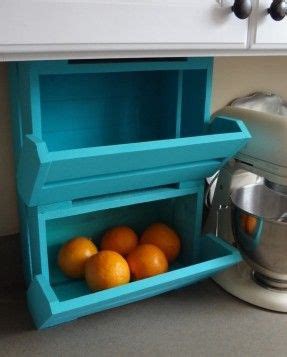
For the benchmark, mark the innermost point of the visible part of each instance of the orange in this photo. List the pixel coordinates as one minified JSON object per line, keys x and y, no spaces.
{"x":147,"y":260}
{"x":243,"y":218}
{"x":73,"y":255}
{"x":164,"y":238}
{"x":106,"y":270}
{"x":248,"y":223}
{"x":120,"y":239}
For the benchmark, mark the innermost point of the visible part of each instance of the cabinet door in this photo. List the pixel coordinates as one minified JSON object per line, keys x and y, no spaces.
{"x":61,"y":25}
{"x":268,"y":33}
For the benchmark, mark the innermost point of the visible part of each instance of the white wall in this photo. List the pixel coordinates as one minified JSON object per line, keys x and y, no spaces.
{"x":8,"y":207}
{"x":233,"y":77}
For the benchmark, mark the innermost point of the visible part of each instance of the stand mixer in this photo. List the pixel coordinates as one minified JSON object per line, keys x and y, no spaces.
{"x":249,"y":209}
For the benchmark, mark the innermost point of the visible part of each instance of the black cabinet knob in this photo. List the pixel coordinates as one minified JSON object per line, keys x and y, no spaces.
{"x":242,"y":8}
{"x":278,"y":10}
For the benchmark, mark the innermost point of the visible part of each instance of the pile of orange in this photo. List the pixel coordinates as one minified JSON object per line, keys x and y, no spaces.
{"x":122,"y":256}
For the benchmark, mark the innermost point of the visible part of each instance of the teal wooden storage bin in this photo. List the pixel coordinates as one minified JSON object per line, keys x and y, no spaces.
{"x":99,"y":128}
{"x":55,"y":299}
{"x":99,"y":144}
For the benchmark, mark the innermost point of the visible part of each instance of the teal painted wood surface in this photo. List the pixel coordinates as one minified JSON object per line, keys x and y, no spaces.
{"x":53,"y":225}
{"x":113,"y":117}
{"x":101,"y":143}
{"x":99,"y":128}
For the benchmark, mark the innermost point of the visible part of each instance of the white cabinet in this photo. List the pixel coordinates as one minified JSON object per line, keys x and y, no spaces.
{"x":267,"y":33}
{"x":94,"y":25}
{"x":33,"y":29}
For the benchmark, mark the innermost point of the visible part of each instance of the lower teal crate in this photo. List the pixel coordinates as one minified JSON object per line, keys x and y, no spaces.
{"x":52,"y":305}
{"x":53,"y":298}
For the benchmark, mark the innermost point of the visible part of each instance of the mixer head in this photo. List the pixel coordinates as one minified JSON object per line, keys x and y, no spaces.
{"x":266,"y":153}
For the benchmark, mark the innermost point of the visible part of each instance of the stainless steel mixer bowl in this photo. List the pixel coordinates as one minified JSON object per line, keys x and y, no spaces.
{"x":259,"y":223}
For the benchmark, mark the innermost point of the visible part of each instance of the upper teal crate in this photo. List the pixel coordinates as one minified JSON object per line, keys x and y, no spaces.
{"x":91,"y":128}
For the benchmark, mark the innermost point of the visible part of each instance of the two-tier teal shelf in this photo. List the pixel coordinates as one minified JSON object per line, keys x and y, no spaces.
{"x":102,"y":143}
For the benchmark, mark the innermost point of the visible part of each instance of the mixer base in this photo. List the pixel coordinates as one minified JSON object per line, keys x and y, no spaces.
{"x":239,"y":282}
